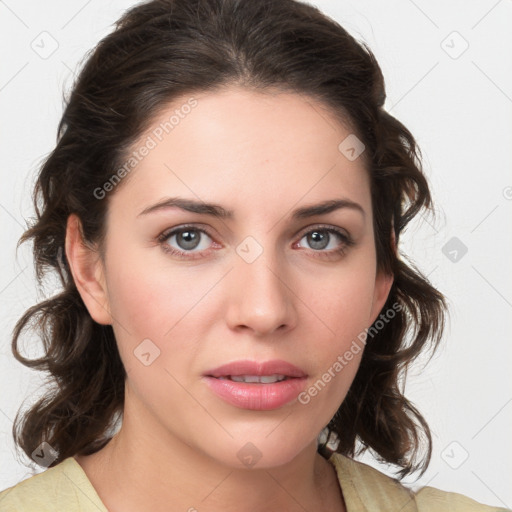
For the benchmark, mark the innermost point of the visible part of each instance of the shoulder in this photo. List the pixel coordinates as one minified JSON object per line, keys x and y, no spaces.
{"x":429,"y":498}
{"x":62,"y":487}
{"x":367,"y":489}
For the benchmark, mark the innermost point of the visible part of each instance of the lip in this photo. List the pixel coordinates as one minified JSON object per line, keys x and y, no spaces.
{"x":256,"y":396}
{"x":246,"y":367}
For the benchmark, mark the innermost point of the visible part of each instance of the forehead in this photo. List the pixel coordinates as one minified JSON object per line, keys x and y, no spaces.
{"x":236,"y":146}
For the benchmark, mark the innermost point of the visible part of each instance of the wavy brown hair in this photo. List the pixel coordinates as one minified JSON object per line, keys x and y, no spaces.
{"x":164,"y":49}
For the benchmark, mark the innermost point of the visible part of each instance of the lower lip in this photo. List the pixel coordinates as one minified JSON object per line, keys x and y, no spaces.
{"x":256,"y":397}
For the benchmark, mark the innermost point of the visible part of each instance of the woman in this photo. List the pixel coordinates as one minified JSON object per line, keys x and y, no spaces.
{"x":223,"y":208}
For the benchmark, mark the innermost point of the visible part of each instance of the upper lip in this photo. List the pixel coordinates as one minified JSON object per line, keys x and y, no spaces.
{"x":246,"y":367}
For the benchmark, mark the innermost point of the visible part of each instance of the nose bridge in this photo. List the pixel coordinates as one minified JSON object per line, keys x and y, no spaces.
{"x":260,"y":300}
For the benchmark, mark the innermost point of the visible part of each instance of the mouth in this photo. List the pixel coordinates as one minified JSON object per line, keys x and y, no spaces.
{"x":256,"y":385}
{"x":256,"y":379}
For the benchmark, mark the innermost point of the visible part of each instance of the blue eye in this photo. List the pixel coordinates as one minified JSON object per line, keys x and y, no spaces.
{"x":321,"y":238}
{"x":191,"y":242}
{"x":188,"y":238}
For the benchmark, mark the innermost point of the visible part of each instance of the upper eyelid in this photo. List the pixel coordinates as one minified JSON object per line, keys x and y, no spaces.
{"x":326,"y":227}
{"x":203,"y":227}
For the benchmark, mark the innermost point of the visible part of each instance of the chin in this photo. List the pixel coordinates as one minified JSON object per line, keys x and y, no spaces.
{"x":261,"y":451}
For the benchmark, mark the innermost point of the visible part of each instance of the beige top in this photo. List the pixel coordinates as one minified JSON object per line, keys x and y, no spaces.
{"x":66,"y":488}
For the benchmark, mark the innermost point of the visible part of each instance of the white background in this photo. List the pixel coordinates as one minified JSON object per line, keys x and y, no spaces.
{"x":458,"y":106}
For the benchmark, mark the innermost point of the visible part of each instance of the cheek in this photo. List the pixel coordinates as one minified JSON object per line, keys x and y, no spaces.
{"x":154,"y":310}
{"x":165,"y":303}
{"x":343,"y":306}
{"x":344,"y":300}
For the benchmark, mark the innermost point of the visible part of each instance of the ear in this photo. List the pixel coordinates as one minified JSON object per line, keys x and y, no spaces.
{"x":383,"y":283}
{"x":88,"y":272}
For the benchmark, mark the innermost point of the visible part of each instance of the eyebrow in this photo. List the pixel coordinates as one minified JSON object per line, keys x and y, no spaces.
{"x":216,"y":210}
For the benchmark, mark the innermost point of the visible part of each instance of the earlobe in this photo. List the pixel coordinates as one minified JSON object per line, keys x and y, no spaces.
{"x":87,"y":270}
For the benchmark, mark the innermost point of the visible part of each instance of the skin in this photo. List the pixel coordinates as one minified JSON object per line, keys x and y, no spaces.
{"x":262,"y":156}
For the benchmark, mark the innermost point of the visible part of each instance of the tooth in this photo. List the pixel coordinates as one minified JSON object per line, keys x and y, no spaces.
{"x":251,"y":378}
{"x":270,"y":379}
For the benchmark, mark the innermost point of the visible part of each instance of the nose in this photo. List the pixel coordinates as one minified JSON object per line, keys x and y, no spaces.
{"x":261,"y":299}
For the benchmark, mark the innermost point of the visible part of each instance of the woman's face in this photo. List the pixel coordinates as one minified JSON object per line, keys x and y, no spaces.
{"x":258,"y":282}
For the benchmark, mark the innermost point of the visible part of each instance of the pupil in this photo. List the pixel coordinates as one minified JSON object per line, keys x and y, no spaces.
{"x":188,"y":239}
{"x":318,"y":240}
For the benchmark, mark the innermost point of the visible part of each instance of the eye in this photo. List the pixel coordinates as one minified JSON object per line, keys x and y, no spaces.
{"x":322,"y":238}
{"x":187,"y":241}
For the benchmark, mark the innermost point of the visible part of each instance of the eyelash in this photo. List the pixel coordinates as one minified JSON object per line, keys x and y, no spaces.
{"x":164,"y":237}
